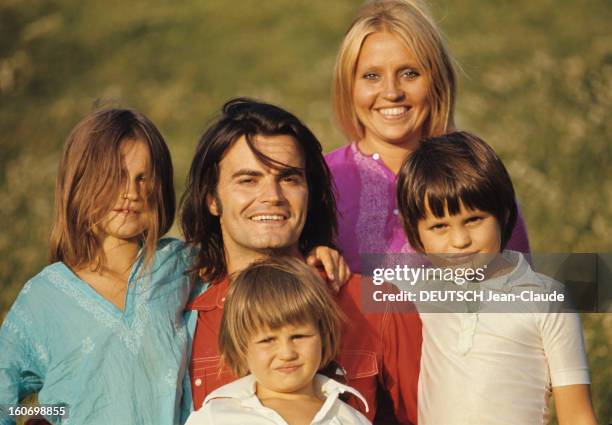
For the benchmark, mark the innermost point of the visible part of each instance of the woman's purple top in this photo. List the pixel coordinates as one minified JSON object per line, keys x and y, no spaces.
{"x":368,"y":218}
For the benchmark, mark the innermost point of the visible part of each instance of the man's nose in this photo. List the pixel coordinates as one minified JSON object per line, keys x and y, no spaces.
{"x":271,"y":191}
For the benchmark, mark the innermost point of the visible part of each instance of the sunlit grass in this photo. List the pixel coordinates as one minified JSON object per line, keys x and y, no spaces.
{"x":537,"y":84}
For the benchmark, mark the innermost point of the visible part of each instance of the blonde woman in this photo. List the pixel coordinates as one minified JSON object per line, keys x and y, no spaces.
{"x":394,"y":83}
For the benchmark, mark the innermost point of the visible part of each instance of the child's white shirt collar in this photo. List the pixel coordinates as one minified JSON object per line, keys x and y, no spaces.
{"x":508,"y":281}
{"x":244,"y":389}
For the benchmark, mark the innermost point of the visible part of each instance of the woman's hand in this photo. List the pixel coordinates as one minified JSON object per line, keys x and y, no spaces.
{"x":336,"y":269}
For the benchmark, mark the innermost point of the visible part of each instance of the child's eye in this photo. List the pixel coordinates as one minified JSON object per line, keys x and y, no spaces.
{"x":246,"y":180}
{"x":370,"y":76}
{"x":474,"y":219}
{"x":438,"y":226}
{"x":265,"y":340}
{"x":300,"y":336}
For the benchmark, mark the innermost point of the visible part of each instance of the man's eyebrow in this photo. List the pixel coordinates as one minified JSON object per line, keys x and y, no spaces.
{"x":247,"y":172}
{"x":290,"y":171}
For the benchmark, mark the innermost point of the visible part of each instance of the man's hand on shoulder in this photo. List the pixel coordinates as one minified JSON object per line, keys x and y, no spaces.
{"x":336,"y":269}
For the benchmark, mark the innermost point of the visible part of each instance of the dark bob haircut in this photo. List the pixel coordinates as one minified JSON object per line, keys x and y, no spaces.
{"x":450,"y":170}
{"x":249,"y":118}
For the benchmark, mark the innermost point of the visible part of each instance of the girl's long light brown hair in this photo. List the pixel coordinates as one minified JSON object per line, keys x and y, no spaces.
{"x":90,"y":178}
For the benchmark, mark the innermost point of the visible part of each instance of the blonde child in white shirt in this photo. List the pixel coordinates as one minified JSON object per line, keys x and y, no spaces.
{"x":280,"y":326}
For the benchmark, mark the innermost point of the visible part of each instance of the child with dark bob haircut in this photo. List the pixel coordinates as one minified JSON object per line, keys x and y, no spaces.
{"x":280,"y":326}
{"x":451,"y":170}
{"x":480,"y":365}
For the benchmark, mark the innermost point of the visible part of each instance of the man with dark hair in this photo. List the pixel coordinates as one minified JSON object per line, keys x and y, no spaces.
{"x":251,"y":130}
{"x":259,"y":187}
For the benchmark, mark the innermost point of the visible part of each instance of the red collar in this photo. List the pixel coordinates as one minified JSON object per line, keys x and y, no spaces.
{"x":212,"y":298}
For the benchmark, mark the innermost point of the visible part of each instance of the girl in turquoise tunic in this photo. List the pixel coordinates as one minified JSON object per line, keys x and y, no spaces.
{"x":98,"y":334}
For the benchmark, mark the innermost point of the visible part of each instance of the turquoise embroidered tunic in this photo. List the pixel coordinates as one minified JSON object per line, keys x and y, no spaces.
{"x":76,"y":349}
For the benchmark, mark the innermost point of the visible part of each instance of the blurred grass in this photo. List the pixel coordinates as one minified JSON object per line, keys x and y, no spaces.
{"x":536,"y":84}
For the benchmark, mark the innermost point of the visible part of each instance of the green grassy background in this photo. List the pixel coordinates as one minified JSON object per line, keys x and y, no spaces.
{"x":536,"y":82}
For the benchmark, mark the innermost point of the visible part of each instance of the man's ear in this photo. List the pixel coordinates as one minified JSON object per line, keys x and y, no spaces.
{"x":213,"y":205}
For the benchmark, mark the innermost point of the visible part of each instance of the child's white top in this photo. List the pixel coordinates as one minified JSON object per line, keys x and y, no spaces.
{"x":497,"y":368}
{"x":237,"y":404}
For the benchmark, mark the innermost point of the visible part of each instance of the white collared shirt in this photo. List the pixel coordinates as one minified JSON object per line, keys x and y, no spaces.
{"x":237,"y":404}
{"x":498,"y":368}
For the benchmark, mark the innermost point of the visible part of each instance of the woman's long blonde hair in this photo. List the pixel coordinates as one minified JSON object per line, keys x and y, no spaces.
{"x":411,"y":22}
